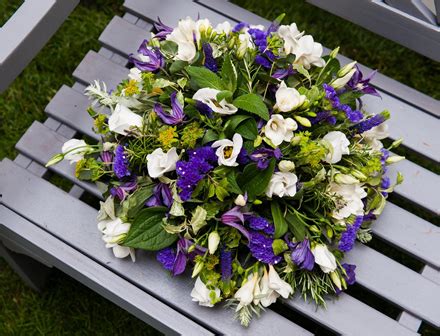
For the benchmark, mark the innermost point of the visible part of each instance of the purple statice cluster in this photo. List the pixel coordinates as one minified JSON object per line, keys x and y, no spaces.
{"x":189,"y":173}
{"x":210,"y":62}
{"x":262,"y":156}
{"x":226,"y":264}
{"x":302,"y":255}
{"x":348,"y":237}
{"x":258,"y":223}
{"x":369,"y":123}
{"x":332,"y":96}
{"x":120,"y":163}
{"x":261,"y":248}
{"x":323,"y":116}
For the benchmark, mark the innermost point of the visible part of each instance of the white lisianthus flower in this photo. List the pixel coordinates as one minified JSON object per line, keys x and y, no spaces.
{"x":107,"y":209}
{"x":183,"y":35}
{"x":324,"y":258}
{"x":269,"y":295}
{"x":227,"y":150}
{"x":123,"y":119}
{"x":374,"y":135}
{"x":308,"y":52}
{"x":202,"y":294}
{"x":114,"y":231}
{"x":159,"y":163}
{"x":279,"y":129}
{"x":246,"y":293}
{"x":282,"y":184}
{"x":277,"y":284}
{"x":209,"y":97}
{"x":288,"y":99}
{"x":338,"y":146}
{"x":348,"y":198}
{"x":290,"y":35}
{"x":74,"y":150}
{"x":224,"y":27}
{"x":213,"y":241}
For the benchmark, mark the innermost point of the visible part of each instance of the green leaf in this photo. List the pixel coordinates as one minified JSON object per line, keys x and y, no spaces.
{"x":248,"y":129}
{"x":177,"y":66}
{"x":209,"y":136}
{"x":232,"y":186}
{"x":278,"y":219}
{"x":169,"y":47}
{"x":296,"y":226}
{"x":147,"y":232}
{"x":233,"y":122}
{"x":229,"y":74}
{"x":204,"y":78}
{"x":135,"y":201}
{"x":252,"y":103}
{"x":221,"y":193}
{"x":225,"y":94}
{"x":279,"y":246}
{"x":254,"y":180}
{"x":198,"y":219}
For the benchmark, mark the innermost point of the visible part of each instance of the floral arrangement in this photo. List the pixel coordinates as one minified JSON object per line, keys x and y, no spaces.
{"x":243,"y":154}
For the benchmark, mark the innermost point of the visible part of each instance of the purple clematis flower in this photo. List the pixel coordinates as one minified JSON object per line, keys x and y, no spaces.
{"x":162,"y":30}
{"x":162,"y":196}
{"x":123,"y":190}
{"x":176,"y":116}
{"x":151,"y":59}
{"x":235,"y":218}
{"x":107,"y":157}
{"x":302,"y":255}
{"x":358,"y":83}
{"x":283,"y":73}
{"x":350,"y":277}
{"x":263,"y":155}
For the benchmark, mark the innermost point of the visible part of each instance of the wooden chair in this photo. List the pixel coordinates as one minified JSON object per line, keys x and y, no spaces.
{"x":42,"y":226}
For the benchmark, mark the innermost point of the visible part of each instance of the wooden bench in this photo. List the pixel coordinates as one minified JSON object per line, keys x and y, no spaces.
{"x":42,"y":226}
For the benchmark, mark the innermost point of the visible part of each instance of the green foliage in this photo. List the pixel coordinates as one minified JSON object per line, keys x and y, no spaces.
{"x":254,"y":180}
{"x":278,"y":219}
{"x":252,"y":103}
{"x":204,"y":78}
{"x":229,"y":74}
{"x":146,"y":231}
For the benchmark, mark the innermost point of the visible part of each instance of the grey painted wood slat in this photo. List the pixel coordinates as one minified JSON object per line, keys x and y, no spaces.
{"x":398,"y":284}
{"x":405,"y":118}
{"x":420,"y":185}
{"x":384,"y":83}
{"x":123,"y":37}
{"x":409,"y":233}
{"x":170,"y":11}
{"x":70,"y":107}
{"x":68,"y":218}
{"x":327,"y":319}
{"x":97,"y":277}
{"x":95,"y":66}
{"x":348,"y":316}
{"x":401,"y":228}
{"x":40,"y":143}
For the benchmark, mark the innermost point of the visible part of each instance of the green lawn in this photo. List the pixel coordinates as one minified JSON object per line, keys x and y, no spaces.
{"x":67,"y":307}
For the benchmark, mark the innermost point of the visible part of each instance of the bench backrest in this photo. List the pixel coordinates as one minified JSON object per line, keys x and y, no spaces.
{"x":26,"y":32}
{"x":412,"y":23}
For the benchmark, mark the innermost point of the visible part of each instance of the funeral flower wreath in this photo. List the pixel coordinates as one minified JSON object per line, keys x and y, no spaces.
{"x":240,"y":153}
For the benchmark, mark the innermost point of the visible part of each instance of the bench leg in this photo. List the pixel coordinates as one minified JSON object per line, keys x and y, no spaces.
{"x":32,"y":272}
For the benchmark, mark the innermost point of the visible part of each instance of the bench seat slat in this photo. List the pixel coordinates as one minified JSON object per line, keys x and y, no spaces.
{"x":123,"y":37}
{"x":397,"y":226}
{"x":384,"y":83}
{"x":362,"y":255}
{"x":404,"y":123}
{"x":97,"y":277}
{"x":75,"y":223}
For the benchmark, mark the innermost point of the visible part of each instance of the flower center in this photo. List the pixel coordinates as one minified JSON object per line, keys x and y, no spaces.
{"x":227,"y":152}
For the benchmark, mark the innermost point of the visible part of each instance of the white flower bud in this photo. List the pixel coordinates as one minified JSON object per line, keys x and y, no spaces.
{"x":286,"y":166}
{"x":394,"y":159}
{"x":197,"y":268}
{"x":240,"y":200}
{"x":345,"y":179}
{"x":346,"y":69}
{"x":213,"y":241}
{"x":336,"y":279}
{"x":340,"y":82}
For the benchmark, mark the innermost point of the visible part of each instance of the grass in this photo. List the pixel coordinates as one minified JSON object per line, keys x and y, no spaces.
{"x":68,"y":307}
